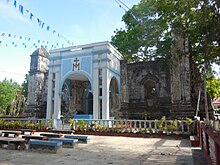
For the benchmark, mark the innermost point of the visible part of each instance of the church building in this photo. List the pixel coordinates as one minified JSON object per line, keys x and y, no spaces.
{"x":93,"y":79}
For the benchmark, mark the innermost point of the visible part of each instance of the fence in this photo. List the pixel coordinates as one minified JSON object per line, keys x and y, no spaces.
{"x":134,"y":126}
{"x":118,"y":126}
{"x":209,"y":139}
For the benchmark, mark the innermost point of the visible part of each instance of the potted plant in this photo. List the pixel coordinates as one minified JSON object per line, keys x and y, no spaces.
{"x":17,"y":124}
{"x":71,"y":123}
{"x":50,"y":122}
{"x":160,"y":124}
{"x":2,"y":123}
{"x":150,"y":130}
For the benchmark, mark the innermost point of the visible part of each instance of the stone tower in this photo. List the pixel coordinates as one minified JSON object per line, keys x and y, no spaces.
{"x":37,"y":84}
{"x":180,"y":73}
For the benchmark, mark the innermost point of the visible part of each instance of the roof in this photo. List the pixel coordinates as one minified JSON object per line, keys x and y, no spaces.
{"x":40,"y":52}
{"x":217,"y":101}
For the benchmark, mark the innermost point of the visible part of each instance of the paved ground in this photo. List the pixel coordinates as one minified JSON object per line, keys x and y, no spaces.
{"x":109,"y":151}
{"x":198,"y":157}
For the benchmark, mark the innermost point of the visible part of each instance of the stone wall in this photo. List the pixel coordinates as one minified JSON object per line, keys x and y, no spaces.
{"x":145,"y":89}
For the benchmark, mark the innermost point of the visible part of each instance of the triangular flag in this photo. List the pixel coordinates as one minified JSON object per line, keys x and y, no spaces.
{"x":21,"y":9}
{"x":48,"y":28}
{"x":39,"y":21}
{"x":9,"y":35}
{"x":43,"y":25}
{"x":31,"y":16}
{"x":3,"y":34}
{"x":15,"y":3}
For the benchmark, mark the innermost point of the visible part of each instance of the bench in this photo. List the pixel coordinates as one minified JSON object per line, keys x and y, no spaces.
{"x":62,"y":131}
{"x":80,"y":138}
{"x":44,"y":145}
{"x":31,"y":131}
{"x":13,"y":143}
{"x":194,"y":141}
{"x":28,"y":137}
{"x":68,"y":143}
{"x":51,"y":135}
{"x":15,"y":133}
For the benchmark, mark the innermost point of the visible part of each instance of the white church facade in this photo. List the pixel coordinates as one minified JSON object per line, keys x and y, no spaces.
{"x":96,"y":65}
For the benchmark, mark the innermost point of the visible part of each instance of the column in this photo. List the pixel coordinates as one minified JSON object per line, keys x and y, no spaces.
{"x":57,"y":98}
{"x":96,"y":106}
{"x":105,"y":94}
{"x":49,"y":96}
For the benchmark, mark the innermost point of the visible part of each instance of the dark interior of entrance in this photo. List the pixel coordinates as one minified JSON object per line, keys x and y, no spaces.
{"x":77,"y":98}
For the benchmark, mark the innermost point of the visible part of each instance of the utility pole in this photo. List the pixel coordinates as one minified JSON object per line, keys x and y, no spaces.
{"x":205,"y":91}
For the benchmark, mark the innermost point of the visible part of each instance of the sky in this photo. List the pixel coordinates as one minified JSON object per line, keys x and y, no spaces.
{"x":54,"y":24}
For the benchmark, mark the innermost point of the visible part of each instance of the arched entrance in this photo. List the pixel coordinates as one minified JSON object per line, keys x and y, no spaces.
{"x":113,"y":97}
{"x":77,"y":97}
{"x":150,"y":92}
{"x":78,"y":81}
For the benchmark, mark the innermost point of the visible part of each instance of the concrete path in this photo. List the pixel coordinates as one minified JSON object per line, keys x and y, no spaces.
{"x":108,"y":150}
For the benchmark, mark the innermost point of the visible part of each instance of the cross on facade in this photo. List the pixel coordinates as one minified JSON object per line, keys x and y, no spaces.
{"x":76,"y":63}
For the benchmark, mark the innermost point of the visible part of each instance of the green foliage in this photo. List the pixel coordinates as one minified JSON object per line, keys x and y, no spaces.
{"x":148,"y":26}
{"x":8,"y":90}
{"x":50,"y":122}
{"x":213,"y":87}
{"x":171,"y":126}
{"x":217,"y":111}
{"x":71,"y":122}
{"x":189,"y":121}
{"x":160,"y":123}
{"x":81,"y":125}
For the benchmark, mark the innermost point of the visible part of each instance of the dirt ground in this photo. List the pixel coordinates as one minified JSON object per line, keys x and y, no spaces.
{"x":103,"y":150}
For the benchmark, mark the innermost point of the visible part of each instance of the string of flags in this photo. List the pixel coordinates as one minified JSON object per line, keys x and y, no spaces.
{"x":18,"y":40}
{"x":32,"y":17}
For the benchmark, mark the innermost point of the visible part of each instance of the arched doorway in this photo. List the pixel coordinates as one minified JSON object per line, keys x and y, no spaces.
{"x":77,"y":97}
{"x":113,"y":97}
{"x":150,"y":92}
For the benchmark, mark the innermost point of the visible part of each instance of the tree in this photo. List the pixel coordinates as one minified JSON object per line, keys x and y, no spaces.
{"x":212,"y":86}
{"x":24,"y":86}
{"x":7,"y":93}
{"x":148,"y":26}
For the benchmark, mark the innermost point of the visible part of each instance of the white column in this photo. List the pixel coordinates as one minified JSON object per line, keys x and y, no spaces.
{"x":105,"y":94}
{"x":57,"y":98}
{"x":49,"y":96}
{"x":96,"y":106}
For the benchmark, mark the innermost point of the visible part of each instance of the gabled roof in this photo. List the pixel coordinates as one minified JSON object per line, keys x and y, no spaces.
{"x":217,"y":101}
